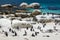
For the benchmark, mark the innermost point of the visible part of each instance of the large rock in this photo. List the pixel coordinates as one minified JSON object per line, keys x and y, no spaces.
{"x":36,"y":12}
{"x":34,"y":5}
{"x":23,"y":5}
{"x":20,"y":24}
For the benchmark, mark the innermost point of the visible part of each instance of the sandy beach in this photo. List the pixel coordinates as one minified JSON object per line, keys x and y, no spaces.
{"x":41,"y":36}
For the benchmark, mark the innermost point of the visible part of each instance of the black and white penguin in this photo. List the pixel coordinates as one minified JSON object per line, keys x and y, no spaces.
{"x":33,"y":35}
{"x":6,"y":34}
{"x":25,"y":33}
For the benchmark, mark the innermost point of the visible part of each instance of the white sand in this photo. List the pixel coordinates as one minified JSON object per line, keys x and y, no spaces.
{"x":53,"y":36}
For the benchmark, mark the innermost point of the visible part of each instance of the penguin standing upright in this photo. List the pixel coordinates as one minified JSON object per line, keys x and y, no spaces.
{"x":36,"y":33}
{"x":44,"y":25}
{"x":0,"y":26}
{"x":10,"y":29}
{"x":6,"y":33}
{"x":15,"y":34}
{"x":13,"y":31}
{"x":33,"y":35}
{"x":31,"y":29}
{"x":27,"y":28}
{"x":25,"y":33}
